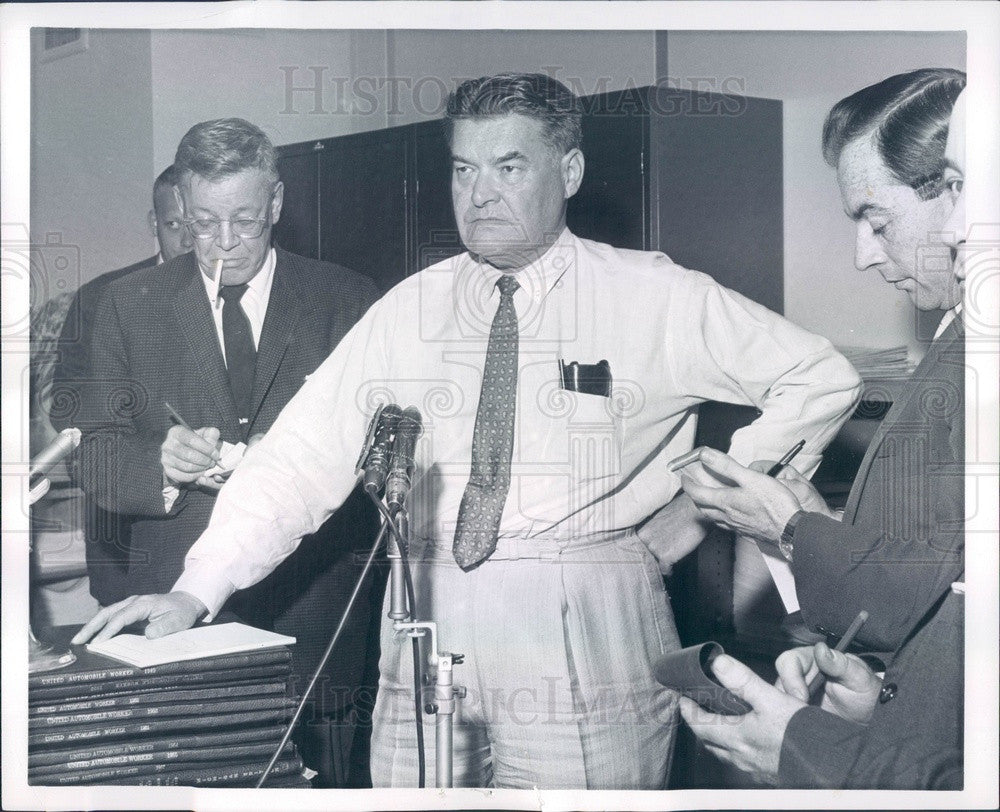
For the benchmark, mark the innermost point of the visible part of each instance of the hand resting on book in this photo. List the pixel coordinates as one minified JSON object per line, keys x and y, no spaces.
{"x":166,"y":614}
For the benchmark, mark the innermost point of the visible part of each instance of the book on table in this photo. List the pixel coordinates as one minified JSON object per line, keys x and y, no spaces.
{"x":192,"y":644}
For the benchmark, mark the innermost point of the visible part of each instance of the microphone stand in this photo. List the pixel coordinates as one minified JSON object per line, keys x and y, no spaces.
{"x":446,"y":693}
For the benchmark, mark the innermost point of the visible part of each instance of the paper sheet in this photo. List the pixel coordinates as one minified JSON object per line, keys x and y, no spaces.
{"x":193,"y":644}
{"x":784,"y":580}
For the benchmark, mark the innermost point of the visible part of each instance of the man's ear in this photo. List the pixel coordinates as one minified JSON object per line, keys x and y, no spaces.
{"x":151,"y":219}
{"x":276,"y":201}
{"x":572,"y":165}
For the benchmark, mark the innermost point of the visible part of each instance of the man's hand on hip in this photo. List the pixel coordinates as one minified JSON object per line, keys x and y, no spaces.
{"x":185,"y":454}
{"x":173,"y":612}
{"x":751,"y":742}
{"x":673,"y":531}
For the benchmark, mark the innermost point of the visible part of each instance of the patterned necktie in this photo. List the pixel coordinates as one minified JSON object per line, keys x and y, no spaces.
{"x":241,"y":356}
{"x":492,"y":439}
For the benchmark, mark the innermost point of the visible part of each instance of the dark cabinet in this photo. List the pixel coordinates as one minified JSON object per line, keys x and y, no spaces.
{"x":298,"y":227}
{"x":363,"y":204}
{"x":434,"y":228}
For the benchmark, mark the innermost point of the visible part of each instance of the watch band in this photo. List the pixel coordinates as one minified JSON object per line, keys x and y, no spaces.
{"x":786,"y":544}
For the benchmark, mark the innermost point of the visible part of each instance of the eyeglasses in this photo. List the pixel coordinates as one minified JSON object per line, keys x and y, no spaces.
{"x":245,"y":227}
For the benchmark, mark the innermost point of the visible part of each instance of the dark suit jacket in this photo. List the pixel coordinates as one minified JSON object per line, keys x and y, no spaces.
{"x":106,"y":534}
{"x":154,"y":342}
{"x":896,"y":553}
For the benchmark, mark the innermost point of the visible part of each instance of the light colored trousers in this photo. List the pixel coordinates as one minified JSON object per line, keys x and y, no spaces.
{"x":559,"y":641}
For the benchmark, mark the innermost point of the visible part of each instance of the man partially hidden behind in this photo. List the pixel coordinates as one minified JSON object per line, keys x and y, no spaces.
{"x":227,"y":365}
{"x":556,"y":377}
{"x":897,"y":552}
{"x":106,"y":534}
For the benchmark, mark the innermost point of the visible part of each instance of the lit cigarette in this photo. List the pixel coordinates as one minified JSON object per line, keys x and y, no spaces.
{"x":217,"y":279}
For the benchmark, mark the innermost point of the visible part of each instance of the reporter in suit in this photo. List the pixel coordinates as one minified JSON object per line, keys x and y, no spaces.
{"x":106,"y":534}
{"x":227,"y":365}
{"x":898,"y":549}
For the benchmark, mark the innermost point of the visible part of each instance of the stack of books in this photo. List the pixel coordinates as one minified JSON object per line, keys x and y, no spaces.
{"x":203,"y":721}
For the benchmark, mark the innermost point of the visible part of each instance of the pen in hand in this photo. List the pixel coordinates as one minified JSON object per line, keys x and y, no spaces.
{"x":695,"y":454}
{"x":176,"y":416}
{"x":819,"y":679}
{"x":790,"y":455}
{"x":181,"y":421}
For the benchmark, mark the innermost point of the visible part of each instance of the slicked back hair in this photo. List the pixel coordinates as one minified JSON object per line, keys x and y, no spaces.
{"x":907,"y":115}
{"x":224,"y":147}
{"x":533,"y":95}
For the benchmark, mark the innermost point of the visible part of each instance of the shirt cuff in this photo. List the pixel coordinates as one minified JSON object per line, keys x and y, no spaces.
{"x":170,"y":494}
{"x":209,"y":587}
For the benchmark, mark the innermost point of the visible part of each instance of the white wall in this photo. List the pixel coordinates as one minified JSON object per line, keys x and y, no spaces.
{"x":201,"y":75}
{"x":91,"y":142}
{"x":587,"y":61}
{"x":810,"y":72}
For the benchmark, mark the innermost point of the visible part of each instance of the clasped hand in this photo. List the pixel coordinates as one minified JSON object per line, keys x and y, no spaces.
{"x":186,"y":455}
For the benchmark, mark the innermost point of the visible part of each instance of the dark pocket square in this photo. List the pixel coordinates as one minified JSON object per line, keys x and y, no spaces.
{"x":588,"y":379}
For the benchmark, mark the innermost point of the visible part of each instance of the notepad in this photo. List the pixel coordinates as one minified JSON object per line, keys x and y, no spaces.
{"x":193,"y":644}
{"x":232,"y":454}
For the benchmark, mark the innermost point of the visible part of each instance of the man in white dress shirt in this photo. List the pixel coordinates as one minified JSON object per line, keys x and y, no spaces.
{"x":557,"y":377}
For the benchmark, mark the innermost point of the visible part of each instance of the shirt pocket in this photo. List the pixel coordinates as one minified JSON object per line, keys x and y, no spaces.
{"x":564,"y":429}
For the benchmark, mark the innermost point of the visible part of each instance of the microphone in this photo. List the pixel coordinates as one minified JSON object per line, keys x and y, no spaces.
{"x":375,"y":462}
{"x":397,"y":485}
{"x":55,"y":452}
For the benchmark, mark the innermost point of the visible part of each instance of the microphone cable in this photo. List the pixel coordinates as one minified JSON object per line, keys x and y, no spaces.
{"x":326,"y":656}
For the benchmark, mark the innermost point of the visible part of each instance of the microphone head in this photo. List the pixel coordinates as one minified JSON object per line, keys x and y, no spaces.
{"x":410,"y":422}
{"x":373,"y":461}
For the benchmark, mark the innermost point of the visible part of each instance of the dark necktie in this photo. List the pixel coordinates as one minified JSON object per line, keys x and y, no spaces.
{"x":492,"y":439}
{"x":241,"y":356}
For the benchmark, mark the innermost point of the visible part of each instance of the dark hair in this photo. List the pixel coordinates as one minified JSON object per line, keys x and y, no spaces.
{"x":168,"y":177}
{"x":533,"y":95}
{"x":220,"y":148}
{"x":907,"y":115}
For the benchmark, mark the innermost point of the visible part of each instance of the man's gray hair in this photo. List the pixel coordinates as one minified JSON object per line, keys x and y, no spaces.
{"x":218,"y":149}
{"x":533,"y":95}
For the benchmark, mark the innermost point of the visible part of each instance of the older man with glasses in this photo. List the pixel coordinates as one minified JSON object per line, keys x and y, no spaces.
{"x":198,"y":356}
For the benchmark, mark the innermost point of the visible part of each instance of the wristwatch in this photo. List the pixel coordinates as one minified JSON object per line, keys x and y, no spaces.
{"x":786,"y":544}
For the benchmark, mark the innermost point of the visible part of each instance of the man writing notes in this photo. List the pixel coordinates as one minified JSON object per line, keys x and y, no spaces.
{"x":898,"y":551}
{"x":557,"y":378}
{"x":225,"y":353}
{"x":106,"y":534}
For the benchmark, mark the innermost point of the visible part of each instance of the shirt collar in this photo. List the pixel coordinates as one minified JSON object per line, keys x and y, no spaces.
{"x":536,"y":280}
{"x":949,"y":317}
{"x":259,"y":286}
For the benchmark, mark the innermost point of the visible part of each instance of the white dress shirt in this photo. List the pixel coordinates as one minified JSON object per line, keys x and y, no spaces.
{"x":948,"y":318}
{"x":581,"y":463}
{"x":253,"y":302}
